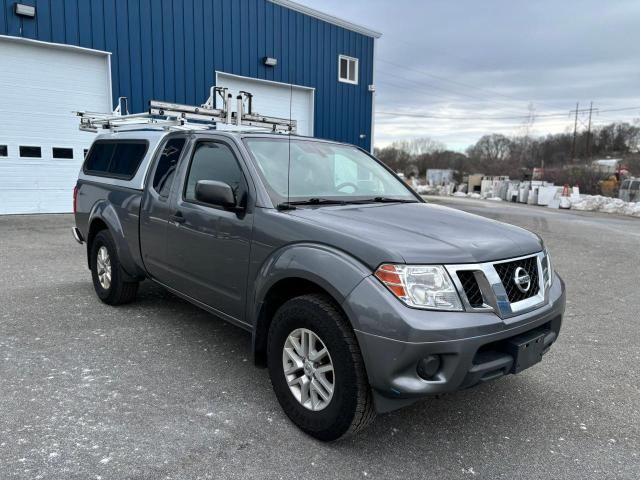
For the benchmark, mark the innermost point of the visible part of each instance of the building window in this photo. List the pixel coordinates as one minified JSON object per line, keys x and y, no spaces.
{"x":59,"y":152}
{"x":348,"y":69}
{"x":30,"y":152}
{"x":3,"y":151}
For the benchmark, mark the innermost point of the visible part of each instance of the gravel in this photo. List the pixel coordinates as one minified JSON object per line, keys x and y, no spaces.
{"x":162,"y":390}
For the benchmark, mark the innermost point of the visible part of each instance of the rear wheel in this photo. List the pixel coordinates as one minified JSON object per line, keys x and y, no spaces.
{"x":108,"y":276}
{"x":316,"y":368}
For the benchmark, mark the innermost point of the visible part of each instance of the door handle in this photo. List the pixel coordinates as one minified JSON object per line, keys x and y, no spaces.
{"x":177,"y":218}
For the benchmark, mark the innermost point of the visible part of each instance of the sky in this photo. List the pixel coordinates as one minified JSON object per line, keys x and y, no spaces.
{"x":454,"y":70}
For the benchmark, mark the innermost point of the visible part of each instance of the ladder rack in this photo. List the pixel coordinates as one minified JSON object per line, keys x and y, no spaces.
{"x":167,"y":115}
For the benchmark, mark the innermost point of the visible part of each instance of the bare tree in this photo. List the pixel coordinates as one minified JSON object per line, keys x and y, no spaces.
{"x":491,"y":149}
{"x":419,"y":146}
{"x":394,"y":158}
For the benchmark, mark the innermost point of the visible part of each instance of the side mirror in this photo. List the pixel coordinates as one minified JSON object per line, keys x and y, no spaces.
{"x":215,"y":193}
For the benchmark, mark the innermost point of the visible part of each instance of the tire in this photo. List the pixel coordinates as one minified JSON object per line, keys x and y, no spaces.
{"x":116,"y":291}
{"x":350,"y":407}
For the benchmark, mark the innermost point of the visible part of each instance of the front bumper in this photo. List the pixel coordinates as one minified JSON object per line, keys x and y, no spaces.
{"x":473,"y":347}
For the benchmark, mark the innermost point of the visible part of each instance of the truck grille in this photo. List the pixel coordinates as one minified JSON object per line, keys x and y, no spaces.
{"x":471,"y":288}
{"x":506,"y":271}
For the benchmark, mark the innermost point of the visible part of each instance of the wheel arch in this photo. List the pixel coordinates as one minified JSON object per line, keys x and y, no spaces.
{"x":104,"y":216}
{"x":96,"y":225}
{"x":298,"y":270}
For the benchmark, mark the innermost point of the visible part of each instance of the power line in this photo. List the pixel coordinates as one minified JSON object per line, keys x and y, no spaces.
{"x":486,"y":117}
{"x":575,"y":131}
{"x":445,"y":99}
{"x":588,"y":149}
{"x":467,"y":85}
{"x":489,"y":117}
{"x":449,"y":80}
{"x":430,"y":87}
{"x":474,"y":97}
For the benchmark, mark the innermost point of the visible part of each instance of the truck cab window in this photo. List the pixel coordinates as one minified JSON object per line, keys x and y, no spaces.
{"x":214,"y":161}
{"x":167,"y":164}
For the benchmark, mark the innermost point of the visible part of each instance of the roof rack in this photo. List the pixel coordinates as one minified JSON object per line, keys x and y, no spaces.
{"x":166,"y":115}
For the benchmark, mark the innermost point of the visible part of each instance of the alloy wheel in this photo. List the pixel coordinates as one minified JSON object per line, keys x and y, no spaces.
{"x":103,"y":265}
{"x":308,"y":369}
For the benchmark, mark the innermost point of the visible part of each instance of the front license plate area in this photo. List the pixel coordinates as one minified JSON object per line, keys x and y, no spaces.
{"x":526,"y":350}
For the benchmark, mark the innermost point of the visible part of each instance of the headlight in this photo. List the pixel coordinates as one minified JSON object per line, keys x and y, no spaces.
{"x":421,"y":286}
{"x":547,"y":269}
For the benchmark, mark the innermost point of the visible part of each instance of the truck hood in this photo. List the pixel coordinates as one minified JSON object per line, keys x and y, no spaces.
{"x":420,"y":233}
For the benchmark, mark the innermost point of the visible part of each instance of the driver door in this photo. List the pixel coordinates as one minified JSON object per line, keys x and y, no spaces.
{"x":208,"y":246}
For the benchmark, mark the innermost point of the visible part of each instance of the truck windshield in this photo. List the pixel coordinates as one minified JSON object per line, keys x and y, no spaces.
{"x":306,"y":171}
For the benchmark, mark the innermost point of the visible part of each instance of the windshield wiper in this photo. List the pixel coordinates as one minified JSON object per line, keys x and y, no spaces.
{"x":310,"y":201}
{"x":389,"y":200}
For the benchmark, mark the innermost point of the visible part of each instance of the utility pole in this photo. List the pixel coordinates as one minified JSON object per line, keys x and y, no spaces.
{"x":575,"y":130}
{"x":588,"y":147}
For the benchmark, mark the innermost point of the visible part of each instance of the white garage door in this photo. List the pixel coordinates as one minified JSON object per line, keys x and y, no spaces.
{"x":41,"y":148}
{"x":272,"y":99}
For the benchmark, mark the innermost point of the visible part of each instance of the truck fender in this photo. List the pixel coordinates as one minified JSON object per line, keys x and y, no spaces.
{"x":330,"y":269}
{"x":104,"y":212}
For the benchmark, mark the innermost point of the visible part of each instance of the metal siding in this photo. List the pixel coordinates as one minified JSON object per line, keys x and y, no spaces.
{"x":14,"y":23}
{"x":168,"y":46}
{"x":111,"y":45}
{"x":270,"y":34}
{"x":245,"y":39}
{"x":200,"y":86}
{"x":333,"y":99}
{"x":218,"y":34}
{"x":227,"y":40}
{"x":58,"y":27}
{"x":84,"y":27}
{"x":146,"y":49}
{"x":209,"y":43}
{"x":97,"y":24}
{"x":157,"y":53}
{"x":179,"y":49}
{"x":285,"y":49}
{"x":122,"y":56}
{"x":190,"y":95}
{"x":170,"y":49}
{"x":237,"y":41}
{"x":134,"y":26}
{"x":71,"y":22}
{"x":3,"y":17}
{"x":29,"y":27}
{"x":43,"y":20}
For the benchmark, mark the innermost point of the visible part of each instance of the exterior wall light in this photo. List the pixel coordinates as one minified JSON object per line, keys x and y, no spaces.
{"x":25,"y":10}
{"x":270,"y":61}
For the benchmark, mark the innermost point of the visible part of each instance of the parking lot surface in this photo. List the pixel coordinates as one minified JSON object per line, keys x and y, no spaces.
{"x":160,"y":389}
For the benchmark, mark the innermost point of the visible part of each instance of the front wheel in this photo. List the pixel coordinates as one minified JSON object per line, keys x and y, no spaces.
{"x":316,"y":368}
{"x":108,"y":276}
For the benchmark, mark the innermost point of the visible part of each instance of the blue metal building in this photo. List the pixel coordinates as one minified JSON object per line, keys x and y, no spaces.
{"x":60,"y":56}
{"x":172,"y":49}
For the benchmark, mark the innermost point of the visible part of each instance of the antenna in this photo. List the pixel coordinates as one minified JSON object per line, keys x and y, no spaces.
{"x":289,"y":159}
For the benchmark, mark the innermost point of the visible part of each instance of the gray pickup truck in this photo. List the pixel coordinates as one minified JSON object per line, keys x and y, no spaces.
{"x":359,"y":296}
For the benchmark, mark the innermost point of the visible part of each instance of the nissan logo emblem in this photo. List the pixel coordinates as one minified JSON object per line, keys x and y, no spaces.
{"x":522,"y":280}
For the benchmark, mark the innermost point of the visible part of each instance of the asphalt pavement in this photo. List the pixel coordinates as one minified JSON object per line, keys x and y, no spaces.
{"x":159,"y":389}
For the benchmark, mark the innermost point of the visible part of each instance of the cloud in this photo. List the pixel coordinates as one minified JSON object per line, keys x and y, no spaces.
{"x":473,"y":59}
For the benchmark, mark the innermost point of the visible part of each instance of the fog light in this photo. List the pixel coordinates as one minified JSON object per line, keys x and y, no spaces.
{"x":428,"y":367}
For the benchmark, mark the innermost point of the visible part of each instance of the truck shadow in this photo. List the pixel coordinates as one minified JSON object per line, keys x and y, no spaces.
{"x":495,"y":412}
